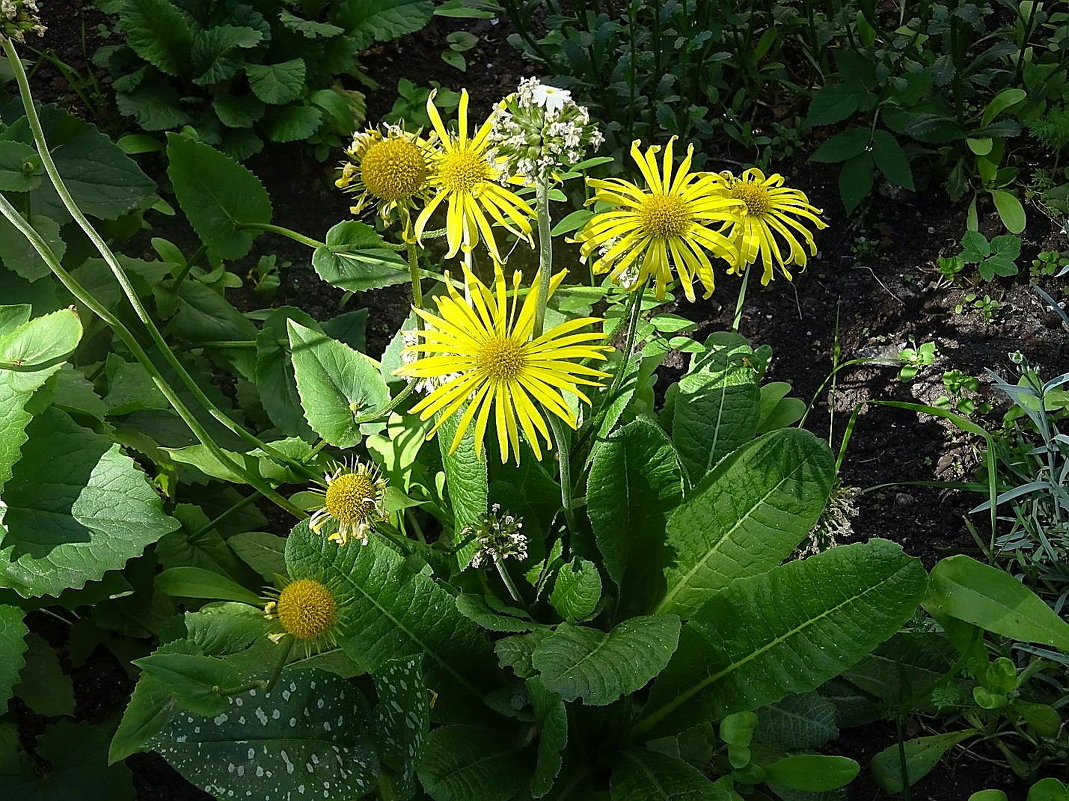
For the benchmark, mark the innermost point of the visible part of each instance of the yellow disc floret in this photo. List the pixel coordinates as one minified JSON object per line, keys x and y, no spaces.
{"x":393,"y":169}
{"x":664,"y":216}
{"x":306,"y":609}
{"x":463,"y":171}
{"x":502,"y":359}
{"x":353,"y":502}
{"x":754,"y":195}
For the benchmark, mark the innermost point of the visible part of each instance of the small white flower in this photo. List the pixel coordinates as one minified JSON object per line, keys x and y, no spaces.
{"x":551,"y":98}
{"x":499,"y":537}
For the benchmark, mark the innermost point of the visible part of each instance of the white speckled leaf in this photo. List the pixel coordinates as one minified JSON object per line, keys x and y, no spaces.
{"x":402,"y":719}
{"x":303,"y":741}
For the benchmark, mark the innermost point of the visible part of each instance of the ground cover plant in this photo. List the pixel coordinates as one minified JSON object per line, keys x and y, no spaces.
{"x":548,"y":539}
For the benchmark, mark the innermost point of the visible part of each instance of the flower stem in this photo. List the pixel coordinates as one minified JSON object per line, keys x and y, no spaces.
{"x":564,"y":457}
{"x":278,"y":229}
{"x":634,"y":311}
{"x":545,"y":254}
{"x":507,"y":579}
{"x":120,"y":275}
{"x":413,"y":268}
{"x":737,"y":321}
{"x":86,"y":299}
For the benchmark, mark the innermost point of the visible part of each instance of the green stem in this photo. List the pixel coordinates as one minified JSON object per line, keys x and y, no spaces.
{"x":413,"y":269}
{"x":278,"y":229}
{"x":507,"y":579}
{"x":237,"y":507}
{"x":382,"y":411}
{"x":279,"y":666}
{"x":564,"y":457}
{"x":545,"y":255}
{"x":737,"y":321}
{"x":634,"y":311}
{"x":86,"y":299}
{"x":120,"y":275}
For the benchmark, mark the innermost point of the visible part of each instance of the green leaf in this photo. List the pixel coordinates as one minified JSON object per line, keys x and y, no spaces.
{"x":892,"y":159}
{"x":309,"y":733}
{"x":154,"y":105}
{"x":922,"y":754}
{"x":197,"y":682}
{"x":639,"y":775}
{"x":292,"y":123}
{"x":356,"y":259}
{"x":855,"y":181}
{"x":91,"y":517}
{"x":975,"y":247}
{"x":812,"y":773}
{"x":466,"y":483}
{"x":264,"y":553}
{"x":798,"y":722}
{"x":995,"y":601}
{"x":1048,"y":790}
{"x":218,"y":196}
{"x":44,"y":687}
{"x":77,"y":770}
{"x":748,"y":515}
{"x":830,"y":610}
{"x":370,"y":21}
{"x":12,"y":647}
{"x":402,"y":720}
{"x":309,"y":28}
{"x":388,"y":611}
{"x":576,"y":590}
{"x":461,"y":763}
{"x":847,"y":145}
{"x":237,"y":111}
{"x":277,"y":84}
{"x":20,"y":167}
{"x":274,"y":373}
{"x":158,"y":32}
{"x":43,"y":344}
{"x":150,"y":711}
{"x":833,"y":103}
{"x":1005,"y":99}
{"x":475,"y":608}
{"x":635,"y":480}
{"x":551,"y":718}
{"x":20,"y":256}
{"x":336,"y":384}
{"x":196,"y":582}
{"x":1010,"y":210}
{"x":600,"y":667}
{"x":213,"y":54}
{"x":716,"y":410}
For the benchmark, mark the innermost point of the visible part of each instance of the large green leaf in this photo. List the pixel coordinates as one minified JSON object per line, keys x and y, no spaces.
{"x":797,"y":722}
{"x":158,"y":32}
{"x":389,"y":611}
{"x":306,"y":739}
{"x":277,"y":84}
{"x":18,"y":253}
{"x":218,"y":195}
{"x":995,"y":601}
{"x":355,"y":258}
{"x":598,"y":666}
{"x":747,"y":516}
{"x":465,"y":481}
{"x":12,"y":647}
{"x":66,"y":527}
{"x":640,"y":775}
{"x":784,"y":631}
{"x":73,"y":756}
{"x":337,"y":384}
{"x":402,"y":720}
{"x":551,"y":718}
{"x":370,"y":21}
{"x":635,"y":481}
{"x":462,"y":763}
{"x":37,"y":348}
{"x":274,"y":373}
{"x":921,"y":755}
{"x":716,"y":408}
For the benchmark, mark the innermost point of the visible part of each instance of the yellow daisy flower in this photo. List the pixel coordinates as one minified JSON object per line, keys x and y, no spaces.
{"x":770,"y":209}
{"x":668,"y":224}
{"x":464,"y":175}
{"x":306,"y":610}
{"x":353,"y":502}
{"x":389,"y":171}
{"x":485,"y":347}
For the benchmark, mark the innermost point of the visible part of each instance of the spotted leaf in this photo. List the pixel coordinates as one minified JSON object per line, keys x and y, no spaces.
{"x":402,"y":719}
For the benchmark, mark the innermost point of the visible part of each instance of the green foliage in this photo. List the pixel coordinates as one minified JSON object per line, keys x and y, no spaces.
{"x":242,"y":73}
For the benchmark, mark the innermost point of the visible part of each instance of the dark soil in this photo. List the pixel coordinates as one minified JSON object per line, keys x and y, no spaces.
{"x":871,"y":291}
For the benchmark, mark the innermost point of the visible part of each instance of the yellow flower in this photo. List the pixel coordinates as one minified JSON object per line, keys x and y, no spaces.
{"x":388,"y":171}
{"x":464,"y":175}
{"x":307,"y":610}
{"x":648,"y":232}
{"x":770,"y":209}
{"x":485,"y":346}
{"x":353,"y":501}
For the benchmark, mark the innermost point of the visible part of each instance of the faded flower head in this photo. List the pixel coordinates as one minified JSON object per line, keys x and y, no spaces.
{"x":835,"y":523}
{"x":387,"y":169}
{"x":306,"y":609}
{"x":498,"y":536}
{"x":539,"y":130}
{"x":20,"y":17}
{"x":354,"y":500}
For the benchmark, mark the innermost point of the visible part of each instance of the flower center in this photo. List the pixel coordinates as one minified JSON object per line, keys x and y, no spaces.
{"x":462,"y":171}
{"x":351,"y":498}
{"x":306,"y":609}
{"x":393,"y":169}
{"x":664,"y":216}
{"x":754,"y":196}
{"x":502,"y":359}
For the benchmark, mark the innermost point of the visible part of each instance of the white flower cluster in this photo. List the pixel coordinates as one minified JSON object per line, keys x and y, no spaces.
{"x":19,"y":17}
{"x":499,"y":537}
{"x":539,"y":130}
